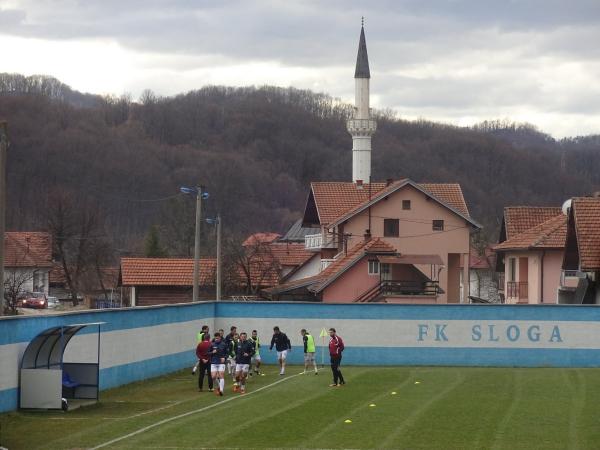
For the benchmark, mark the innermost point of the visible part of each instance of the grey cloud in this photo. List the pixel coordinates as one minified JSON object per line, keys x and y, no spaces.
{"x":416,"y":47}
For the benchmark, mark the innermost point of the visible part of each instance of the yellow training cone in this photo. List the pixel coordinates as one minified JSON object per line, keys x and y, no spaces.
{"x":372,"y":404}
{"x":347,"y":421}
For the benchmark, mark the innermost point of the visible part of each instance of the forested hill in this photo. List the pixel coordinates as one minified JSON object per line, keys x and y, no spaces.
{"x":256,"y":150}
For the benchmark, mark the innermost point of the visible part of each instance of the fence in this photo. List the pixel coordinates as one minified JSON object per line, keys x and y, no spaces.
{"x":143,"y":342}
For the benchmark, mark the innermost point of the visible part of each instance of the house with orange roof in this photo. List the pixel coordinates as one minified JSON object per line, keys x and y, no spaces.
{"x":530,"y":253}
{"x":582,"y":252}
{"x":414,"y":219}
{"x":27,"y":261}
{"x":157,"y":281}
{"x":370,"y":271}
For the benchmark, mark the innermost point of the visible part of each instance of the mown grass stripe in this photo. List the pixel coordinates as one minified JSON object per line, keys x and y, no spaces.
{"x":186,"y":414}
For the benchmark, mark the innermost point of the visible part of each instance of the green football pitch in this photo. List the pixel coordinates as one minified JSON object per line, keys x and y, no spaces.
{"x":383,"y":407}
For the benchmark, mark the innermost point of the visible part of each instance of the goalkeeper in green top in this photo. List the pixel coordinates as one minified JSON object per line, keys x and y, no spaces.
{"x":309,"y":351}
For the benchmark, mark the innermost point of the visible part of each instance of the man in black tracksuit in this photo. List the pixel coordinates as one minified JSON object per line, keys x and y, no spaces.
{"x":218,"y":354}
{"x":282,"y":345}
{"x":244,"y":349}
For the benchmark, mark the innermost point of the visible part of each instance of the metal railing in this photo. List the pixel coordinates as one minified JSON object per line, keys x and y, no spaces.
{"x":517,"y":289}
{"x":401,"y":287}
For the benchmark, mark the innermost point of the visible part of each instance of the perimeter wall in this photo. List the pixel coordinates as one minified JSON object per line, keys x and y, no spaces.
{"x":143,"y":342}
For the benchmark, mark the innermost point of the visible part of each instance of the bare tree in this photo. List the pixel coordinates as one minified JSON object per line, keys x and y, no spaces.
{"x":15,"y":282}
{"x":254,"y":265}
{"x":79,"y":240}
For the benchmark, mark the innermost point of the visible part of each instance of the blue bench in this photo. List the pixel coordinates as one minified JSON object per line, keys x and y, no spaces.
{"x":68,"y":383}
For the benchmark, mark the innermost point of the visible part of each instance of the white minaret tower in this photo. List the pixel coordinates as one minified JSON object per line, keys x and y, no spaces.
{"x":361,"y":126}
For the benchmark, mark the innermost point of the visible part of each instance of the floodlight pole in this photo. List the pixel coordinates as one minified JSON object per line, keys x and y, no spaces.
{"x":218,"y":257}
{"x":195,"y":287}
{"x":3,"y":150}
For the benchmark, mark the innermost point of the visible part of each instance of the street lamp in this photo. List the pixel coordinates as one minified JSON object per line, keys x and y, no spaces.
{"x":217,"y":221}
{"x":200,"y":195}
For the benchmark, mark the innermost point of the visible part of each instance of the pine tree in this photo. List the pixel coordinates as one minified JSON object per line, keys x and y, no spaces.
{"x":152,"y":245}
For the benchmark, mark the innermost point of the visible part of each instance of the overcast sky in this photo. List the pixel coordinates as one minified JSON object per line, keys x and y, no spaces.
{"x":457,"y":61}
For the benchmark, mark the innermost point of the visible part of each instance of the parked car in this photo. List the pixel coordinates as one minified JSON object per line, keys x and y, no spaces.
{"x":53,"y":302}
{"x":35,"y":300}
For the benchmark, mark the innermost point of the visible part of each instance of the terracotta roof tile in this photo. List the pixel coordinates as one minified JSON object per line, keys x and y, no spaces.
{"x":449,"y":193}
{"x":586,"y":211}
{"x":549,"y":234}
{"x":260,"y":238}
{"x":27,"y":249}
{"x":337,"y":199}
{"x":518,"y":219}
{"x":165,"y":271}
{"x":291,"y":254}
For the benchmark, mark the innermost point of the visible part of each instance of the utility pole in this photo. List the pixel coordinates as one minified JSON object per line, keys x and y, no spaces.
{"x":3,"y":150}
{"x":218,"y":257}
{"x":195,"y":287}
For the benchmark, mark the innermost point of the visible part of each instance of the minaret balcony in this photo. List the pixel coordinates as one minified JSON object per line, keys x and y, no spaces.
{"x":364,"y":127}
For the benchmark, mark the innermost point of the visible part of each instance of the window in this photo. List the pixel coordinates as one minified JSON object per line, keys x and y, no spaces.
{"x":391,"y":227}
{"x":405,"y":204}
{"x":374,"y":267}
{"x":438,"y":225}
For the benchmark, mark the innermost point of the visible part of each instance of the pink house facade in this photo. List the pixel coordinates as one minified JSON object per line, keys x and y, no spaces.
{"x":415,"y":219}
{"x":532,"y":259}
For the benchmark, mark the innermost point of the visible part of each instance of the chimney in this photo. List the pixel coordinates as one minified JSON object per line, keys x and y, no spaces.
{"x":367,"y":235}
{"x":389,"y":181}
{"x":359,"y":184}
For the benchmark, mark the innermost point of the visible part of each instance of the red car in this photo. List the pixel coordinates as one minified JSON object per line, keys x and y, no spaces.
{"x":35,"y":300}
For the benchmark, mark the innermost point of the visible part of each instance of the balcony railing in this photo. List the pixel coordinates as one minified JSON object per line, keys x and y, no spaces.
{"x":399,"y":287}
{"x":517,"y":289}
{"x":319,"y":241}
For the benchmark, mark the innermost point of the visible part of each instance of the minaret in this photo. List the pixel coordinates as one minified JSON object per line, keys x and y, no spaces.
{"x":361,"y":126}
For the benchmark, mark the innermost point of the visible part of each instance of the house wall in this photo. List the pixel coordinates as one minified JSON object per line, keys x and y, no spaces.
{"x":164,"y":295}
{"x":351,"y":284}
{"x":416,"y":234}
{"x":552,"y":270}
{"x":532,"y":271}
{"x":139,"y":343}
{"x":310,"y":268}
{"x":537,"y":293}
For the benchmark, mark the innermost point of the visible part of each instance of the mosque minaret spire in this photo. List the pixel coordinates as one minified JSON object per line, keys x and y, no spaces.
{"x":361,"y":126}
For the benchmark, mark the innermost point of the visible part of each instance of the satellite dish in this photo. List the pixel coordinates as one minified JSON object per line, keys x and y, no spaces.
{"x":566,"y":206}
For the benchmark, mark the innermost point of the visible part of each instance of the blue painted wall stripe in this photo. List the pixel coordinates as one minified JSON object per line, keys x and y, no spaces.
{"x":409,"y":312}
{"x":24,"y":329}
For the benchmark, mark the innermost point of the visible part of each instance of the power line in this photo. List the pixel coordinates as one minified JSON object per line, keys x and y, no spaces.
{"x":135,"y":200}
